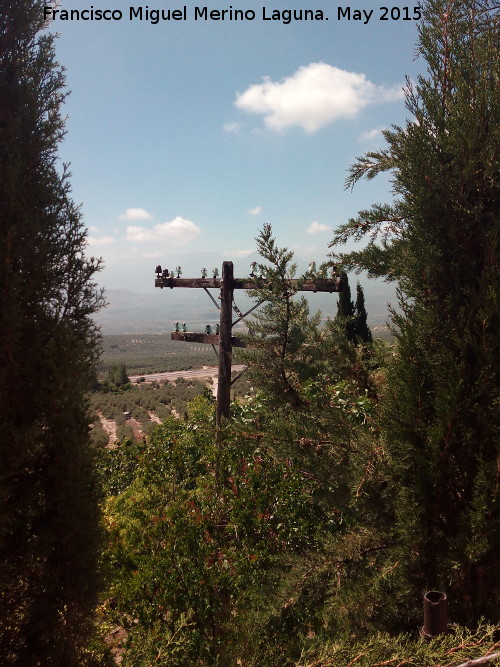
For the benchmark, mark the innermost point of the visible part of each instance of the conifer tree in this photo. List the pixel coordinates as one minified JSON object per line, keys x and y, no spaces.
{"x":282,"y":330}
{"x":345,"y":307}
{"x":440,"y":241}
{"x":48,"y":517}
{"x":362,"y":333}
{"x":352,"y":315}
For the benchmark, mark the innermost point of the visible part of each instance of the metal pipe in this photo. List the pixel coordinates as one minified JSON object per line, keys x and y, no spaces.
{"x":435,"y":614}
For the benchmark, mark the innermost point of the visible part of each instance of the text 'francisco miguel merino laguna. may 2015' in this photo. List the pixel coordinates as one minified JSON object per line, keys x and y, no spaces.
{"x":204,"y":13}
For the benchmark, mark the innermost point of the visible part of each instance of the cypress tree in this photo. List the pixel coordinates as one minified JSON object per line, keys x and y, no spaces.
{"x":440,"y":241}
{"x":345,"y":307}
{"x":49,"y":517}
{"x":362,"y":331}
{"x":353,"y":316}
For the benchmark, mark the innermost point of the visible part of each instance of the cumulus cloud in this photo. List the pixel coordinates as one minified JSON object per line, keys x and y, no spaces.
{"x":178,"y":231}
{"x":317,"y":228}
{"x":139,"y":234}
{"x":255,"y":211}
{"x":314,"y":96}
{"x":94,"y":241}
{"x":135,"y":214}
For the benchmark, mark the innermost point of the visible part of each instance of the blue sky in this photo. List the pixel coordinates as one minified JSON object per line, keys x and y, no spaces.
{"x":186,"y":136}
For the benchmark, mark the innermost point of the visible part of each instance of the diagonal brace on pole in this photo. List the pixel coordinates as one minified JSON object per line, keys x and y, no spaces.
{"x":259,"y":303}
{"x":239,"y":375}
{"x":215,"y":302}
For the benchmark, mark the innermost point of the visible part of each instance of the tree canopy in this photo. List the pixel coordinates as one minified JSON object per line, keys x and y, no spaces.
{"x":49,"y":520}
{"x":439,"y":240}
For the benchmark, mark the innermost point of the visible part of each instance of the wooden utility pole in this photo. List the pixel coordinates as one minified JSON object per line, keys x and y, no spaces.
{"x":227,"y":284}
{"x":225,"y":344}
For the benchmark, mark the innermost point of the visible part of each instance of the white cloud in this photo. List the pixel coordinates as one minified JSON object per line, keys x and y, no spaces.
{"x":317,"y":228}
{"x":135,"y":214}
{"x":139,"y":234}
{"x":314,"y":96}
{"x":103,"y":240}
{"x":373,"y":136}
{"x":93,"y":229}
{"x":232,"y":128}
{"x":255,"y":211}
{"x":370,"y":134}
{"x":178,"y":231}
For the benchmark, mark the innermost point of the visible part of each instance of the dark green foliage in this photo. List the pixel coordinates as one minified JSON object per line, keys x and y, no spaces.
{"x":269,"y":566}
{"x":288,"y":349}
{"x":381,"y":650}
{"x":124,"y":432}
{"x":353,"y":316}
{"x":212,"y":564}
{"x":282,"y":332}
{"x":49,"y":519}
{"x":117,"y":467}
{"x":345,"y":307}
{"x":117,"y":376}
{"x":362,"y":333}
{"x":440,"y":240}
{"x":98,"y":435}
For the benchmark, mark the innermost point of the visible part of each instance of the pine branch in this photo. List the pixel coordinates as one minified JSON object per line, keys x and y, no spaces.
{"x":368,"y":166}
{"x":485,"y":660}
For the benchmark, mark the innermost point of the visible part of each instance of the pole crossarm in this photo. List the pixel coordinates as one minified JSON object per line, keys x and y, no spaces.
{"x":211,"y":339}
{"x":317,"y":285}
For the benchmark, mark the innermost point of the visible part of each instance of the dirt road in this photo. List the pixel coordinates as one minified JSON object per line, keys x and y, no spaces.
{"x":205,"y":372}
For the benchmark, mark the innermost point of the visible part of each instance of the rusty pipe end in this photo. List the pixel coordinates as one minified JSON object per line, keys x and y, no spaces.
{"x":435,"y":614}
